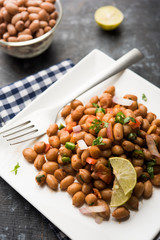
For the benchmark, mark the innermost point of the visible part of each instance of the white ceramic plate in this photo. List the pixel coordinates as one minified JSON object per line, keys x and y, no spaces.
{"x":57,"y":206}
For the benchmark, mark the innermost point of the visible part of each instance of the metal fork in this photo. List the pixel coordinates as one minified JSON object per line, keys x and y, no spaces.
{"x":35,"y":124}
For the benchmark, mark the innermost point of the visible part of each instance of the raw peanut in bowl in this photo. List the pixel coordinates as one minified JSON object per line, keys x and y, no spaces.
{"x":82,"y":155}
{"x":18,"y":16}
{"x":27,"y":27}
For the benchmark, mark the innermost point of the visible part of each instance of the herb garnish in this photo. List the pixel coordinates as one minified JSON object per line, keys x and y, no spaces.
{"x":39,"y":178}
{"x":95,"y":105}
{"x":97,"y":125}
{"x":98,"y":141}
{"x":16,"y":168}
{"x":98,"y":109}
{"x":139,"y":154}
{"x":150,"y":169}
{"x":144,"y":98}
{"x":128,"y":119}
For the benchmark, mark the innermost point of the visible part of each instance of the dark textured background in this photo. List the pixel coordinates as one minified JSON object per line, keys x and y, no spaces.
{"x":76,"y":36}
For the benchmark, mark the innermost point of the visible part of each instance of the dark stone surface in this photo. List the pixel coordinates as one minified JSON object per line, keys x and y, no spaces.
{"x":76,"y":36}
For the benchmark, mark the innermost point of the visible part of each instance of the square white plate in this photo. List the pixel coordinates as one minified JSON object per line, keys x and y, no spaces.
{"x":57,"y":206}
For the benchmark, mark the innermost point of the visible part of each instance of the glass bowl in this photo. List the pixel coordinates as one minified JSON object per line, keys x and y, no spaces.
{"x":34,"y":47}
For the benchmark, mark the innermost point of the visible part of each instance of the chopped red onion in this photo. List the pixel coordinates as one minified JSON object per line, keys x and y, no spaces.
{"x":93,"y":209}
{"x":122,"y":101}
{"x":77,"y":128}
{"x":82,"y":145}
{"x":152,"y":146}
{"x":98,"y":219}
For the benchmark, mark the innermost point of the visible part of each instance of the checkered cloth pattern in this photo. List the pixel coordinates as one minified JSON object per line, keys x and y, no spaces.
{"x":16,"y":96}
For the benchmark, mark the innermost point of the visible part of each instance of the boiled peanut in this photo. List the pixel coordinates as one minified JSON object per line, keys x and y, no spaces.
{"x":66,"y":182}
{"x":73,"y":188}
{"x":138,"y":189}
{"x":50,"y":167}
{"x":121,"y":213}
{"x":39,"y":161}
{"x":78,"y":199}
{"x":52,"y":181}
{"x":29,"y":154}
{"x":148,"y":188}
{"x":59,"y":174}
{"x":156,"y":180}
{"x":133,"y":203}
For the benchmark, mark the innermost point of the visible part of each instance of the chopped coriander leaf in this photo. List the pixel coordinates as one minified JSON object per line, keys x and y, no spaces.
{"x":151,"y":163}
{"x":144,"y":98}
{"x":61,"y":126}
{"x":70,"y":145}
{"x":98,"y":141}
{"x":39,"y":178}
{"x":132,"y":136}
{"x":151,"y":172}
{"x":139,"y":154}
{"x":95,"y":105}
{"x":66,"y":159}
{"x":96,"y":125}
{"x":99,"y":109}
{"x":120,"y":118}
{"x":105,"y":124}
{"x":150,"y":168}
{"x":128,"y":119}
{"x":15,"y":168}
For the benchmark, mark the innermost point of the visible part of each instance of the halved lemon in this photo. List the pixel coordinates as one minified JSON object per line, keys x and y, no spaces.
{"x":125,"y":173}
{"x":108,"y":17}
{"x":118,"y":197}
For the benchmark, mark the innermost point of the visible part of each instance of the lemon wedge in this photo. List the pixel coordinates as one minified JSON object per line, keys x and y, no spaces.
{"x":108,"y":17}
{"x":118,"y":197}
{"x":125,"y":173}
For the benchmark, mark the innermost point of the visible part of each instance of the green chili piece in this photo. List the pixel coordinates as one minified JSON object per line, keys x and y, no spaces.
{"x":132,"y":136}
{"x":61,"y":126}
{"x":70,"y":145}
{"x":66,"y":159}
{"x":120,"y":118}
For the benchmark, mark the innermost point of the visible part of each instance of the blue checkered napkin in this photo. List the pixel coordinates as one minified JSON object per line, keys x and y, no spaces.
{"x":16,"y":96}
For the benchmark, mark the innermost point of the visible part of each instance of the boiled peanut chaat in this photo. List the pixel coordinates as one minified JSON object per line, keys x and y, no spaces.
{"x":105,"y":155}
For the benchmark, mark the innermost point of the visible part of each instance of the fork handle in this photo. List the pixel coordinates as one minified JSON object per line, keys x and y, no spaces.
{"x":119,"y":65}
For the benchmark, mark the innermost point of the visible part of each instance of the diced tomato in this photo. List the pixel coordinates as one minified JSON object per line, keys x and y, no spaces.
{"x":91,"y":160}
{"x":134,"y":124}
{"x":69,"y":126}
{"x":48,"y":146}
